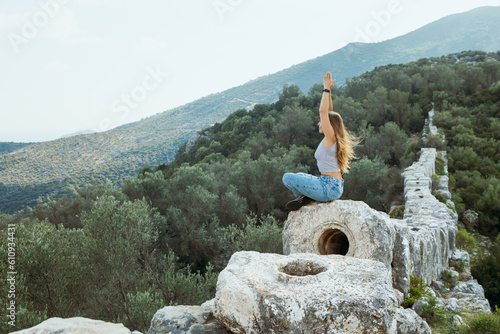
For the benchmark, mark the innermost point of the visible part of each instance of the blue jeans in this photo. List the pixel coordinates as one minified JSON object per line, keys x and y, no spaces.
{"x":322,"y":189}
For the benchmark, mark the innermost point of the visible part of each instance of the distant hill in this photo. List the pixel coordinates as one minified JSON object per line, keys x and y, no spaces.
{"x":47,"y":170}
{"x":83,"y":132}
{"x":7,"y":147}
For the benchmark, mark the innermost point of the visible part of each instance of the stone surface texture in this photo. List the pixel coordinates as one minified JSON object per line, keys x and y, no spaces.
{"x":370,"y":233}
{"x":309,"y":293}
{"x":75,"y":325}
{"x":470,"y":218}
{"x":185,"y":320}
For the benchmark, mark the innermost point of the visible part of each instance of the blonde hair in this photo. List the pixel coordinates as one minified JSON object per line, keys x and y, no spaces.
{"x":345,"y":141}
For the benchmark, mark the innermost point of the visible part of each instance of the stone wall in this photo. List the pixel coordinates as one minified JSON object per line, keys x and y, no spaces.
{"x":431,"y":225}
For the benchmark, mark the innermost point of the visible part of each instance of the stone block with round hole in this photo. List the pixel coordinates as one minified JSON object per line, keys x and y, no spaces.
{"x":308,"y":293}
{"x":340,"y":227}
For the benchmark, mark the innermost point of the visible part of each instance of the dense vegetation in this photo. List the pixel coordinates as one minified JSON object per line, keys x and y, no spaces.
{"x":121,"y":253}
{"x":46,"y":171}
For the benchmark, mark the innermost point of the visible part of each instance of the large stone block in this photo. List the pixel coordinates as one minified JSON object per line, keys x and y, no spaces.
{"x":75,"y":325}
{"x":349,"y":228}
{"x":186,"y":320}
{"x":308,"y":293}
{"x":429,"y":240}
{"x":401,"y":259}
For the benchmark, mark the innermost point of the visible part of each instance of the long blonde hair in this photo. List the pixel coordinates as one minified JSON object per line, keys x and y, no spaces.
{"x":345,"y":141}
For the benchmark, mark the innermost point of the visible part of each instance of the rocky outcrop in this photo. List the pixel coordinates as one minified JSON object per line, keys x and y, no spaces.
{"x":186,"y":320}
{"x":309,"y":293}
{"x":470,"y":218}
{"x":75,"y":326}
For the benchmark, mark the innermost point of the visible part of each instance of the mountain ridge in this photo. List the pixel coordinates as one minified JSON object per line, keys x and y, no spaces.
{"x":38,"y":171}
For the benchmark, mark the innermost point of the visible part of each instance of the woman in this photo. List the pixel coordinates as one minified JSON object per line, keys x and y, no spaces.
{"x":333,"y":155}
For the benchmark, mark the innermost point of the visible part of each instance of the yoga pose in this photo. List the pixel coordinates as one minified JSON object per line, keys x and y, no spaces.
{"x":333,"y":155}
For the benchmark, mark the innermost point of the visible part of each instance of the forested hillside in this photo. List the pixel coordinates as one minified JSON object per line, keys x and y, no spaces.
{"x":11,"y":147}
{"x":120,"y":253}
{"x":45,"y":171}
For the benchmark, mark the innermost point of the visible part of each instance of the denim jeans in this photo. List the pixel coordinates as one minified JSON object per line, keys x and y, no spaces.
{"x":322,"y":189}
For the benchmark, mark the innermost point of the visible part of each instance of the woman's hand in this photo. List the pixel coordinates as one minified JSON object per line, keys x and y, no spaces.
{"x":327,"y":81}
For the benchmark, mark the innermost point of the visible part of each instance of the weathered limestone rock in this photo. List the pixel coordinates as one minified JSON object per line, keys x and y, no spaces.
{"x":429,"y":247}
{"x":309,"y":293}
{"x":459,"y":256}
{"x":470,"y":218}
{"x":442,"y":186}
{"x":451,"y":305}
{"x":409,"y":323}
{"x":457,"y":320}
{"x":401,"y":264}
{"x":340,"y":227}
{"x":438,"y":287}
{"x":185,"y":320}
{"x":470,"y":287}
{"x":76,"y":325}
{"x":471,"y":303}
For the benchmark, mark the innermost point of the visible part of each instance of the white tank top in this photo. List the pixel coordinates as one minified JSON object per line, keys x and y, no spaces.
{"x":327,"y":158}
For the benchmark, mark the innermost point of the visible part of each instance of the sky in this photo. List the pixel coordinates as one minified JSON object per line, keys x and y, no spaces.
{"x":73,"y":65}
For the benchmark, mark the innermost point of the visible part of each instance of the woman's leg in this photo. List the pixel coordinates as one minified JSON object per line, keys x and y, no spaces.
{"x":305,"y":184}
{"x":332,"y":186}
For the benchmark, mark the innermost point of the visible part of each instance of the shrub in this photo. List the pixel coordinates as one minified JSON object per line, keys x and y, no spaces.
{"x":487,"y":271}
{"x":440,"y":198}
{"x":260,"y":235}
{"x":440,"y":163}
{"x":431,"y":311}
{"x":450,"y":280}
{"x":460,"y":265}
{"x":140,"y":308}
{"x":417,"y":291}
{"x":465,"y":241}
{"x":483,"y":323}
{"x":397,"y":212}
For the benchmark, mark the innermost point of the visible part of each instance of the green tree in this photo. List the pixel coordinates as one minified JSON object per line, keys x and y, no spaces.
{"x":388,"y":144}
{"x":487,"y":271}
{"x":399,"y":108}
{"x":377,"y":107}
{"x":293,"y":127}
{"x":119,"y":242}
{"x":366,"y":182}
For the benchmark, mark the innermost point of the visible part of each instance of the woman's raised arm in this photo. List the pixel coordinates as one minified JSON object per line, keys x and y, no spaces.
{"x":325,"y":107}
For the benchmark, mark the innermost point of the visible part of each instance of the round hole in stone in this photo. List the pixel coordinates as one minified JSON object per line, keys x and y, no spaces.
{"x":421,"y":196}
{"x":333,"y":241}
{"x":302,"y":268}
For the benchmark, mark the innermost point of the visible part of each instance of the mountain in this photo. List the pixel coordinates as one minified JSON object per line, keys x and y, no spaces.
{"x":34,"y":173}
{"x":7,"y":147}
{"x":83,"y":132}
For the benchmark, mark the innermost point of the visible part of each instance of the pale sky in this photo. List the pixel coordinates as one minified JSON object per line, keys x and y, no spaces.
{"x":73,"y":65}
